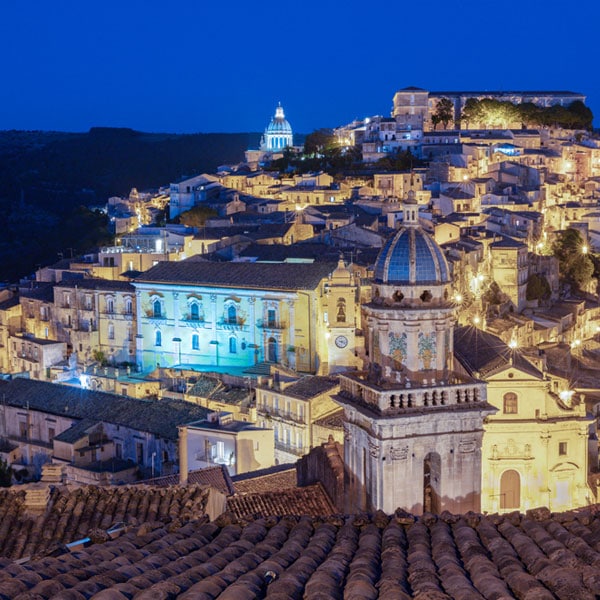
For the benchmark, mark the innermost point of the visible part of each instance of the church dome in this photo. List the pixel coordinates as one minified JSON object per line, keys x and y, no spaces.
{"x":412,"y":257}
{"x":278,"y":134}
{"x":279,"y":124}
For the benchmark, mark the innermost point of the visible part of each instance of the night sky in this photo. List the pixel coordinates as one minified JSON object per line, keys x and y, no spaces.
{"x":204,"y":66}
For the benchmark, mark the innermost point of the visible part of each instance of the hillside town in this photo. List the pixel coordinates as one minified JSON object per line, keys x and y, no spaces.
{"x":333,"y":333}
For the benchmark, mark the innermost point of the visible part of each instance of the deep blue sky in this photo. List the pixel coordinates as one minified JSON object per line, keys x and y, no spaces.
{"x":203,"y":65}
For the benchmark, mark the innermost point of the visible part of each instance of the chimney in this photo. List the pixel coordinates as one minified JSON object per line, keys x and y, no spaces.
{"x":183,"y":456}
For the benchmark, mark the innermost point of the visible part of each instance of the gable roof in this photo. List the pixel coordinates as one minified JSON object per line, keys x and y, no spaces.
{"x":159,"y":417}
{"x":483,"y":353}
{"x":281,"y":276}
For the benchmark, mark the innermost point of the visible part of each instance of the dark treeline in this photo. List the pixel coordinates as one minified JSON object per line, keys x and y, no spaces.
{"x":49,"y":181}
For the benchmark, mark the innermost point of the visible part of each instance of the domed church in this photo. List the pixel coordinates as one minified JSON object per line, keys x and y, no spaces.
{"x":278,"y":134}
{"x":413,"y":425}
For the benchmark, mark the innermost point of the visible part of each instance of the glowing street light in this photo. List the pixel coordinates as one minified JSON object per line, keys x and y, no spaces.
{"x":585,"y":249}
{"x":458,"y":298}
{"x":513,"y":344}
{"x":476,"y":319}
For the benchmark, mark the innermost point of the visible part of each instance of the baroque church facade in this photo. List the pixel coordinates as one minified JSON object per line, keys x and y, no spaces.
{"x":429,"y":427}
{"x":413,"y":426}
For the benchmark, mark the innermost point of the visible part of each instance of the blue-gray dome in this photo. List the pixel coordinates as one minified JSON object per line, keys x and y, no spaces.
{"x":411,"y":256}
{"x":279,"y":124}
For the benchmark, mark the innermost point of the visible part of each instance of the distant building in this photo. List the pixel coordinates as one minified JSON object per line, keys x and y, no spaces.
{"x":278,"y":134}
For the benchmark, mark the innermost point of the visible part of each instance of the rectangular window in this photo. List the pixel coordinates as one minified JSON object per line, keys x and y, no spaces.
{"x":51,"y":433}
{"x":22,"y":429}
{"x":118,"y":450}
{"x":562,"y":448}
{"x":139,"y":452}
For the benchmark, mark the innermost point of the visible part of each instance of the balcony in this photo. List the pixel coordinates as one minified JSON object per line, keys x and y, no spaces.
{"x":295,"y":450}
{"x":283,"y":416}
{"x":271,"y":324}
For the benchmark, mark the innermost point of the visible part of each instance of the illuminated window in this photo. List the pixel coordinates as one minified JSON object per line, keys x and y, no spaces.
{"x":194,"y":312}
{"x":511,"y":404}
{"x":232,"y":315}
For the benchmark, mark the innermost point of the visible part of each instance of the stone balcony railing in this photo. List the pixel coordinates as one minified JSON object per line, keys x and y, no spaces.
{"x":412,"y":396}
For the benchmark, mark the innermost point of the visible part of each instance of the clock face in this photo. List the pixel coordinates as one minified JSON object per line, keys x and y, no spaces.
{"x":341,"y":341}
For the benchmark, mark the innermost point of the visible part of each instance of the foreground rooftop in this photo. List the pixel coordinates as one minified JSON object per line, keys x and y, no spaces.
{"x":537,"y":556}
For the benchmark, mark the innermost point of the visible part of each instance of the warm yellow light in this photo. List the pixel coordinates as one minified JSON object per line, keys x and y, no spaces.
{"x":584,"y":249}
{"x":566,"y":395}
{"x":480,"y":277}
{"x":513,"y":344}
{"x":476,"y":320}
{"x":458,"y":298}
{"x":465,"y":177}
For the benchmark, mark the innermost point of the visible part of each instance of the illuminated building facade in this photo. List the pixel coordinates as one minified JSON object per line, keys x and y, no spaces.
{"x":535,"y":446}
{"x":278,"y":134}
{"x":413,"y":425}
{"x":235,"y":315}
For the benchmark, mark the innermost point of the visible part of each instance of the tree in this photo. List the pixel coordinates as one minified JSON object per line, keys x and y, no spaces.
{"x":5,"y":474}
{"x":471,"y":112}
{"x":319,"y":141}
{"x":197,"y":216}
{"x":538,"y":288}
{"x":574,"y":264}
{"x":444,"y":112}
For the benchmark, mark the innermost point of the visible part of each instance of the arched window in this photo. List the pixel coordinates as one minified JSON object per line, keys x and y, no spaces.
{"x":232,"y":315}
{"x":110,"y":305}
{"x":111,"y":331}
{"x":511,"y":404}
{"x":158,"y":339}
{"x":341,"y":310}
{"x":157,"y":309}
{"x":128,"y":306}
{"x":195,"y":342}
{"x":510,"y":489}
{"x":194,"y":311}
{"x":232,"y":345}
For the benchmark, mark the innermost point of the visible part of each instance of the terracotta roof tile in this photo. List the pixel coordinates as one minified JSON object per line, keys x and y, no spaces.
{"x":397,"y":557}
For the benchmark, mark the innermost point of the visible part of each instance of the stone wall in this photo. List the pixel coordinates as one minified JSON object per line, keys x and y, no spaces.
{"x":324,"y":464}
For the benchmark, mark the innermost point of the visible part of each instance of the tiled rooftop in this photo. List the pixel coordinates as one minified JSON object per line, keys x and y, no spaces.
{"x":216,"y":477}
{"x":273,"y":479}
{"x":241,"y":274}
{"x":311,"y":500}
{"x":159,"y":417}
{"x":398,"y":557}
{"x":72,"y":514}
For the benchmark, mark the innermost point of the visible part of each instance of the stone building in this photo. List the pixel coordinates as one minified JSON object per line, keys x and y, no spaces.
{"x":278,"y":134}
{"x":535,"y":447}
{"x":234,"y":316}
{"x":410,"y":417}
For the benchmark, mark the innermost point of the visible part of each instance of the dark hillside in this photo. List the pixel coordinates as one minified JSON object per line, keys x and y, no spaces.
{"x":47,"y":179}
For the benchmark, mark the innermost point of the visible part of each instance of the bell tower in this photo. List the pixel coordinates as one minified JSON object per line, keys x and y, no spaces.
{"x":341,"y":319}
{"x":413,"y":426}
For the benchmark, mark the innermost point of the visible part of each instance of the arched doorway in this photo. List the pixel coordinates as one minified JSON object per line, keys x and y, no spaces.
{"x":510,"y":489}
{"x":272,"y":350}
{"x":432,"y":481}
